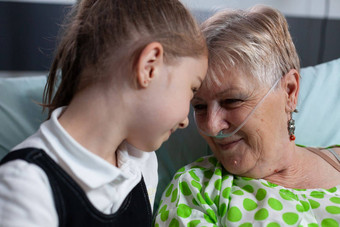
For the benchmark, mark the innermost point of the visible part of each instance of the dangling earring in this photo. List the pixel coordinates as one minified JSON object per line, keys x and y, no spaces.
{"x":291,"y":126}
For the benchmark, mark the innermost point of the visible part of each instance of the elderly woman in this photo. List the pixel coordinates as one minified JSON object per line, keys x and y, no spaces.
{"x":257,"y":175}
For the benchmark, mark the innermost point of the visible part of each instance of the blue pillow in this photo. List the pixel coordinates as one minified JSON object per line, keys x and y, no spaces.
{"x":318,"y":120}
{"x":20,"y":114}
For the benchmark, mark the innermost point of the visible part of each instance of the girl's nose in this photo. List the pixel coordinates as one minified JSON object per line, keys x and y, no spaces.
{"x":184,"y":123}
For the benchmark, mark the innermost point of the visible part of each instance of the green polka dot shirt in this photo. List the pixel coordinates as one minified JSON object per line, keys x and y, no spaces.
{"x":204,"y":194}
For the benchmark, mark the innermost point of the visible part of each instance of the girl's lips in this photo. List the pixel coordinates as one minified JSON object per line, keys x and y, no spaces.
{"x":228,"y":145}
{"x":172,"y":131}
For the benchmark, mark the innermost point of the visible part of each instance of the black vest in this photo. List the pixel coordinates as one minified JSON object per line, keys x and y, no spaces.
{"x":72,"y":205}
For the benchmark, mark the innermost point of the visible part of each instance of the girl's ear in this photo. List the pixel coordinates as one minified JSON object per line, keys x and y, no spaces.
{"x":291,"y":83}
{"x":150,"y":60}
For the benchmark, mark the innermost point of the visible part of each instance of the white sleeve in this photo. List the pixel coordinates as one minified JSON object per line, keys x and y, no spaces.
{"x":25,"y":196}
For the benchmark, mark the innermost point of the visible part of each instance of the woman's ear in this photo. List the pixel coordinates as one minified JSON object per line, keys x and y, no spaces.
{"x":149,"y":61}
{"x":291,"y":83}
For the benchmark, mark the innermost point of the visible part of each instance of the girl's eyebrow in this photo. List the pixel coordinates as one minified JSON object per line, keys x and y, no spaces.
{"x":200,"y":78}
{"x":198,"y":82}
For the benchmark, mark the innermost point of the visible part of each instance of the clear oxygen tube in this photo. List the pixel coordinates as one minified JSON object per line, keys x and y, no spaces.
{"x":222,"y":133}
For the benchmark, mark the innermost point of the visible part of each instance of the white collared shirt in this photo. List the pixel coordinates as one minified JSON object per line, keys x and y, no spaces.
{"x":25,"y":193}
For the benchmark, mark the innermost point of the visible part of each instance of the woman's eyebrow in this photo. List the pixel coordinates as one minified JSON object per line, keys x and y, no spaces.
{"x":228,"y":91}
{"x":196,"y":99}
{"x":223,"y":93}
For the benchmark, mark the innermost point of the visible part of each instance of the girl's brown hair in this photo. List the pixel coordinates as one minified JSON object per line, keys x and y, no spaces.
{"x":99,"y":31}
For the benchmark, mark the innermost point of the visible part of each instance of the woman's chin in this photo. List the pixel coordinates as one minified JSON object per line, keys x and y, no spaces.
{"x":236,"y":165}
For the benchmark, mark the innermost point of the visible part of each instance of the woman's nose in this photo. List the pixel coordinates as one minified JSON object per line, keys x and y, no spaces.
{"x":215,"y":121}
{"x":184,"y":123}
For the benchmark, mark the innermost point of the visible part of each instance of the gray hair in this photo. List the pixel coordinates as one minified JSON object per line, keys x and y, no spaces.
{"x":255,"y":41}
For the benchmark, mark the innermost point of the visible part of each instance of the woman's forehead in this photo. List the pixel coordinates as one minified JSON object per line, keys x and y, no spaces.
{"x":233,"y":80}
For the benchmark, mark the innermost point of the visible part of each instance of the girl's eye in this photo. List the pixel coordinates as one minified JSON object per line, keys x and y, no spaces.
{"x":194,"y":90}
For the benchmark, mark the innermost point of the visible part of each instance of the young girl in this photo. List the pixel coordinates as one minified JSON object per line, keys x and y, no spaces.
{"x":128,"y":72}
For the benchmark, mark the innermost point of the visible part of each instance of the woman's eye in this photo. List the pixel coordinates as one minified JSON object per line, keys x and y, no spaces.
{"x":199,"y":107}
{"x":231,"y":102}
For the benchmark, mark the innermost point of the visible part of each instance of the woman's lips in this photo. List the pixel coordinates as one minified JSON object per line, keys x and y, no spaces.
{"x":228,"y":145}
